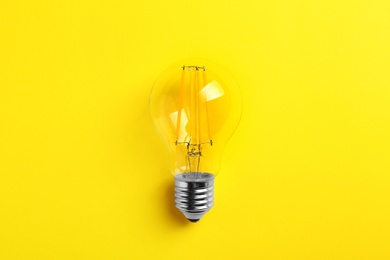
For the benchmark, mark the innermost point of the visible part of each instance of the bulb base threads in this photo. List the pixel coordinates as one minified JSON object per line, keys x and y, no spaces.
{"x":194,"y":194}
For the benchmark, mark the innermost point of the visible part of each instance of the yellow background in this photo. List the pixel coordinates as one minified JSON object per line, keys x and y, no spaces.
{"x":84,"y":176}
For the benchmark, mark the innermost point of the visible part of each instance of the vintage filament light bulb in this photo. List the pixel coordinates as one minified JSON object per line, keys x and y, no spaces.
{"x":196,"y":107}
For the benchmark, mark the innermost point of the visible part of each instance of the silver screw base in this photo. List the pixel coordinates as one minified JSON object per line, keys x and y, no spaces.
{"x":194,"y":194}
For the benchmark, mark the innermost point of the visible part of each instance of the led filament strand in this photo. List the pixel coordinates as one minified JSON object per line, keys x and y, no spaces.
{"x":193,"y":128}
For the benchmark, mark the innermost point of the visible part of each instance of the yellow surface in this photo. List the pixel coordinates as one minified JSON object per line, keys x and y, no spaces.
{"x":83,"y":174}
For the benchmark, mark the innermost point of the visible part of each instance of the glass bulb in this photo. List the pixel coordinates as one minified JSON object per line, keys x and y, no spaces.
{"x":196,"y":107}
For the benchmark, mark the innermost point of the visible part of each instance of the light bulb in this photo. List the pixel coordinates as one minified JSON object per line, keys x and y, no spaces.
{"x":196,"y":107}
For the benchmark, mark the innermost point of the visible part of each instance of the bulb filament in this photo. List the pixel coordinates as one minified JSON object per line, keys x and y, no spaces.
{"x":193,"y":128}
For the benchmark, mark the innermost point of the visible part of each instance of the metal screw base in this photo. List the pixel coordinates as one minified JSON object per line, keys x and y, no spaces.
{"x":194,"y":194}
